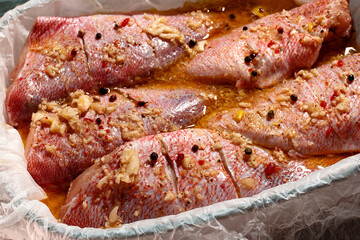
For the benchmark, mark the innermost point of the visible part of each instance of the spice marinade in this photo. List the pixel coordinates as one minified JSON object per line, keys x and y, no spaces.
{"x":221,"y":97}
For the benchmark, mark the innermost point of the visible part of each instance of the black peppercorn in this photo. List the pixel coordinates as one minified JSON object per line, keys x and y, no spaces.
{"x":73,"y":52}
{"x":280,"y":30}
{"x":245,"y":28}
{"x":248,"y":151}
{"x":253,"y":55}
{"x":98,"y":121}
{"x":351,"y":78}
{"x":232,"y":16}
{"x":254,"y":73}
{"x":112,"y":98}
{"x":103,"y":91}
{"x":293,"y":97}
{"x":154,"y":156}
{"x":195,"y":148}
{"x":192,"y":43}
{"x":271,"y":114}
{"x":247,"y":59}
{"x":98,"y":36}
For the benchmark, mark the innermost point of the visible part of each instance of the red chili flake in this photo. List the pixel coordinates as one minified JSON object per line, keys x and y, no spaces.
{"x":87,"y":130}
{"x":125,"y":22}
{"x":222,"y":185}
{"x":250,"y":69}
{"x":180,"y":157}
{"x":271,"y":43}
{"x":340,"y":63}
{"x":323,"y":104}
{"x":328,"y":132}
{"x":106,"y":137}
{"x":277,"y":50}
{"x":201,"y":162}
{"x":334,"y":95}
{"x":270,"y":169}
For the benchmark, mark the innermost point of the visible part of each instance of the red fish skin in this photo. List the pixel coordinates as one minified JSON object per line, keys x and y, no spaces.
{"x":283,"y":43}
{"x":201,"y":177}
{"x":30,"y":80}
{"x":324,"y":119}
{"x":140,"y":200}
{"x":196,"y":178}
{"x":253,"y":180}
{"x":123,"y":56}
{"x":164,"y":111}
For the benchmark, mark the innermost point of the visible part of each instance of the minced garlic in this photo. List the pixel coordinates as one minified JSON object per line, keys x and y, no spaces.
{"x":130,"y":165}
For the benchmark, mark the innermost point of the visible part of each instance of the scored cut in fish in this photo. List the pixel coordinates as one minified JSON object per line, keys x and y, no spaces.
{"x":64,"y":139}
{"x":266,"y":51}
{"x":170,"y":173}
{"x":63,"y":55}
{"x":317,"y":113}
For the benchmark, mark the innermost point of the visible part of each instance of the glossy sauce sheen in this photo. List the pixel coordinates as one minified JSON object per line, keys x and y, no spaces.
{"x":234,"y":14}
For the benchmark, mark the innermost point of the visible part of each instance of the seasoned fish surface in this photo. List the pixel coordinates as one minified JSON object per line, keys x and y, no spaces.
{"x":268,"y":50}
{"x":170,"y":173}
{"x":317,"y":113}
{"x":66,"y":54}
{"x":64,"y":139}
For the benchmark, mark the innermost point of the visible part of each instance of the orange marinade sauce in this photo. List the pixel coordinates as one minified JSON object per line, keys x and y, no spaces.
{"x":234,"y":13}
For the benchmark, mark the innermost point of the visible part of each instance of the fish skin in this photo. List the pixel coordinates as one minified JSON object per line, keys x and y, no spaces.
{"x":144,"y":193}
{"x":164,"y":110}
{"x":328,"y":92}
{"x":31,"y":84}
{"x":218,"y":180}
{"x":278,"y":55}
{"x":89,"y":69}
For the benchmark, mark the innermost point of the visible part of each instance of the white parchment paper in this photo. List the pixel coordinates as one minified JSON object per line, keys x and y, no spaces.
{"x":316,"y":206}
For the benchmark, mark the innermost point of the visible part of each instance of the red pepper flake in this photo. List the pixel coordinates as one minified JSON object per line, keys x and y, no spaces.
{"x":277,"y":50}
{"x":270,"y":169}
{"x":87,"y":130}
{"x":201,"y":162}
{"x":323,"y":104}
{"x":334,"y":95}
{"x":340,"y":63}
{"x":106,"y":137}
{"x":125,"y":22}
{"x":180,"y":157}
{"x":271,"y":43}
{"x":328,"y":132}
{"x":250,"y":69}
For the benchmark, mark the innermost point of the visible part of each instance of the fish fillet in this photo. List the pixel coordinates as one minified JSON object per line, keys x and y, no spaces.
{"x":316,"y":113}
{"x":63,"y":55}
{"x":266,"y":51}
{"x":192,"y":168}
{"x":65,"y":138}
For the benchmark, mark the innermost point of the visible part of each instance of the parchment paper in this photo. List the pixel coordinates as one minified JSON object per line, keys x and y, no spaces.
{"x":316,"y":206}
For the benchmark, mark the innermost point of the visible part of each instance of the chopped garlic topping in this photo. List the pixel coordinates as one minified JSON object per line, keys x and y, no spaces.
{"x":130,"y":165}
